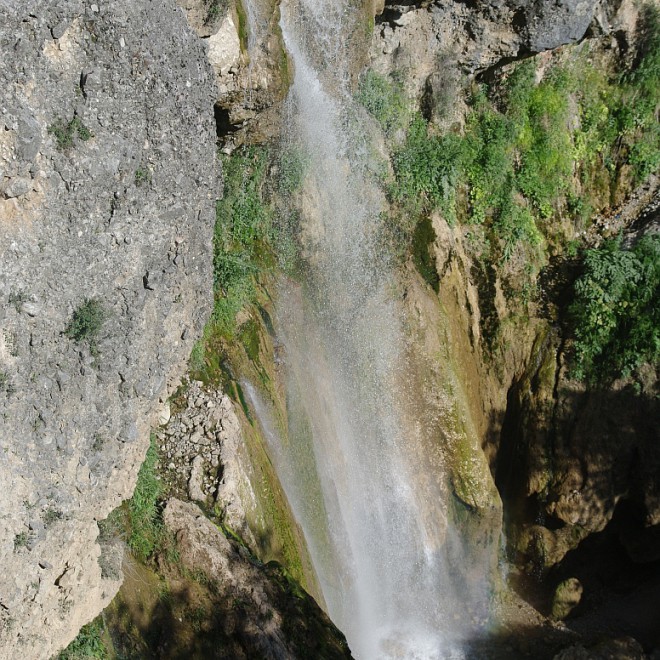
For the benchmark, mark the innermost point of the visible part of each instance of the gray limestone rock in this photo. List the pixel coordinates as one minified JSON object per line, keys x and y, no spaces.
{"x":92,"y":97}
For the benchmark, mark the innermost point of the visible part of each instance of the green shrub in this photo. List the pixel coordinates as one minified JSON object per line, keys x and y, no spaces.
{"x":489,"y":160}
{"x":86,"y":322}
{"x":616,"y":311}
{"x":21,"y":540}
{"x":142,"y":176}
{"x":88,"y":644}
{"x":522,"y":147}
{"x":65,"y":132}
{"x":385,"y":101}
{"x":427,"y":169}
{"x":243,"y":233}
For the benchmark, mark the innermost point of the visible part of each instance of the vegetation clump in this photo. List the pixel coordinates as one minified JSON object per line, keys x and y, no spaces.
{"x":88,"y":644}
{"x":531,"y":151}
{"x":86,"y":323}
{"x":243,"y":230}
{"x":385,"y":100}
{"x":65,"y":132}
{"x":146,"y":527}
{"x":616,"y":311}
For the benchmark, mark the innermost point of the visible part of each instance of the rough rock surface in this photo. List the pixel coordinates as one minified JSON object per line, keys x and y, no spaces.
{"x":247,"y":54}
{"x":200,"y":452}
{"x":624,"y":648}
{"x":428,"y":39}
{"x":107,"y":177}
{"x":259,"y":609}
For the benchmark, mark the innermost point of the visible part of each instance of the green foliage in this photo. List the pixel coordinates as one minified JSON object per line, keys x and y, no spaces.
{"x":520,"y":152}
{"x":243,"y":232}
{"x":619,"y":115}
{"x":427,"y":169}
{"x":142,"y":176}
{"x":65,"y":132}
{"x":86,"y":323}
{"x":489,"y":160}
{"x":385,"y":100}
{"x":616,"y":311}
{"x":20,"y":540}
{"x":146,"y":527}
{"x":543,"y":141}
{"x":88,"y":644}
{"x":51,"y":516}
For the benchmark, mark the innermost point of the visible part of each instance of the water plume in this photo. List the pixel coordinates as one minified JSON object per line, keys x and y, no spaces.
{"x":373,"y":508}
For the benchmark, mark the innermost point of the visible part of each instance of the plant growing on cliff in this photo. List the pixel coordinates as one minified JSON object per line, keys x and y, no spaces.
{"x":427,"y":168}
{"x":88,"y":644}
{"x":146,"y":527}
{"x":65,"y":132}
{"x":616,"y":311}
{"x":86,"y":322}
{"x":385,"y":100}
{"x":243,"y":231}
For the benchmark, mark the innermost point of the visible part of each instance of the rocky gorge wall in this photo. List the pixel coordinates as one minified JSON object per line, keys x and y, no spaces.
{"x":576,"y":466}
{"x":107,"y":187}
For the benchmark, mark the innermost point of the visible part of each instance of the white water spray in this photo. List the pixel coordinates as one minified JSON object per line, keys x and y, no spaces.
{"x":374,"y":516}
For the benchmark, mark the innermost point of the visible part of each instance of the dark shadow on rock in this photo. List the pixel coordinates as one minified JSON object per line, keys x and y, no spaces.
{"x":578,"y":471}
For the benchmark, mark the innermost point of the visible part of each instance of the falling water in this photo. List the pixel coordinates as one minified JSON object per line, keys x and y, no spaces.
{"x":374,"y":516}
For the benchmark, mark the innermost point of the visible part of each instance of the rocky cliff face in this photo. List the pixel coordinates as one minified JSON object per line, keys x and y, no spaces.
{"x":107,"y":185}
{"x":577,"y":467}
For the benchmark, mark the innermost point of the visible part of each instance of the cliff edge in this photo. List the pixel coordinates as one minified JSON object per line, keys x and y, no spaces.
{"x":107,"y":176}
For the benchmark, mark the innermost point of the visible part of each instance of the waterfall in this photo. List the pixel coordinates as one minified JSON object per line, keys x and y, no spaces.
{"x":373,"y":506}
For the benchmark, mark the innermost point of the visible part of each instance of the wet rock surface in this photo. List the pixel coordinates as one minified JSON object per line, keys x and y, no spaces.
{"x":107,"y":185}
{"x":247,"y":54}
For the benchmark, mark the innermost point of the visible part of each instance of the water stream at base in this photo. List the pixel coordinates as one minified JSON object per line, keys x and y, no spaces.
{"x":377,"y":532}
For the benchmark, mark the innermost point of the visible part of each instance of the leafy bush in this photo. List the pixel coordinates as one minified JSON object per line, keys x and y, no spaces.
{"x":86,"y":323}
{"x":616,"y":311}
{"x":521,"y":148}
{"x":88,"y":644}
{"x":385,"y":100}
{"x":65,"y":132}
{"x":427,"y":169}
{"x":243,"y":231}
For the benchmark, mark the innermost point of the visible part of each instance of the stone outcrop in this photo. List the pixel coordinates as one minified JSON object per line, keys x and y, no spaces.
{"x":107,"y":186}
{"x":262,"y":612}
{"x":246,"y":51}
{"x":201,"y":453}
{"x":431,"y":40}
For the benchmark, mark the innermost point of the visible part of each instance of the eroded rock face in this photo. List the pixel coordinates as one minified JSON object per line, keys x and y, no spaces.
{"x":246,"y":51}
{"x":107,"y":179}
{"x":274,"y":618}
{"x":430,"y":39}
{"x":201,"y":451}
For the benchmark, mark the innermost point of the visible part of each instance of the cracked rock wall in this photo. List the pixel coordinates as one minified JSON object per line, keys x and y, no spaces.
{"x":107,"y":177}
